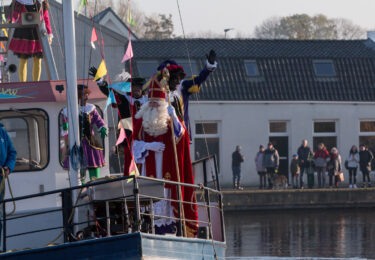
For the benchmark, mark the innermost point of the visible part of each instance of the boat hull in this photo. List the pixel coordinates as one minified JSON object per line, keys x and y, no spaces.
{"x":128,"y":246}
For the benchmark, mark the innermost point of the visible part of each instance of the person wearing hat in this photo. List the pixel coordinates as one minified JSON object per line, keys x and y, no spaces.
{"x":181,"y":89}
{"x":295,"y":170}
{"x":271,"y":162}
{"x":128,"y":105}
{"x":25,"y":42}
{"x":260,"y":168}
{"x":153,"y":148}
{"x":91,"y":147}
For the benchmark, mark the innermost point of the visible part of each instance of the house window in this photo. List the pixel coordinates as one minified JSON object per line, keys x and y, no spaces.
{"x":325,"y":132}
{"x":206,"y":137}
{"x":324,"y":68}
{"x":29,"y":131}
{"x":367,"y":136}
{"x":278,"y":127}
{"x":251,"y":68}
{"x":187,"y":69}
{"x":147,"y":68}
{"x":64,"y":139}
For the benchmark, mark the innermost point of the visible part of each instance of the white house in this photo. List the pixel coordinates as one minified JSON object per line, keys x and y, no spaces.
{"x":274,"y":90}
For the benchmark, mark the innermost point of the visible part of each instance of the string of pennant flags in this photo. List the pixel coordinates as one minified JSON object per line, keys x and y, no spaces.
{"x":119,"y":87}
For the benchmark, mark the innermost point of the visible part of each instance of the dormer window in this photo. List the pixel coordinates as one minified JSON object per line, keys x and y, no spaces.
{"x":324,"y":68}
{"x":251,"y":68}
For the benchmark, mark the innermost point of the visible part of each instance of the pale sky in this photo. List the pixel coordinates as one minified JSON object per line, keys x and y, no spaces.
{"x":244,"y":15}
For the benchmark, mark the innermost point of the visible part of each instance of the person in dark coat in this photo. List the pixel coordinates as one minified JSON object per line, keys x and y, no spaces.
{"x":237,"y":159}
{"x":365,"y":159}
{"x":271,"y":162}
{"x":304,"y":156}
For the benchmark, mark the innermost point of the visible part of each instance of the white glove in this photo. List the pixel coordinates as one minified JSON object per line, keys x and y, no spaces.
{"x":155,"y":146}
{"x":172,"y":113}
{"x":211,"y":67}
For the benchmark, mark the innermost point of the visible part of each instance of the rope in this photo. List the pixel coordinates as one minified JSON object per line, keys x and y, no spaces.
{"x":2,"y":191}
{"x":206,"y":143}
{"x":196,"y":95}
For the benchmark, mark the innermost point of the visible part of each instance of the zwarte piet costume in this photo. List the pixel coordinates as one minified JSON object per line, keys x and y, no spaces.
{"x":25,"y":42}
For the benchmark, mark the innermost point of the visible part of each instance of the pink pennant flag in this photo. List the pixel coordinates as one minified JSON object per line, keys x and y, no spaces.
{"x":94,"y":37}
{"x":2,"y":58}
{"x":121,"y":137}
{"x":129,"y":53}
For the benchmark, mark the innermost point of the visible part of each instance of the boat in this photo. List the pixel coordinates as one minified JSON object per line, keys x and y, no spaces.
{"x":52,"y":215}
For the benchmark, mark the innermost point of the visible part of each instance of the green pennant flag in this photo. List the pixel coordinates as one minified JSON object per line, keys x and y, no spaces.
{"x":130,"y":19}
{"x":3,"y":18}
{"x":82,"y":4}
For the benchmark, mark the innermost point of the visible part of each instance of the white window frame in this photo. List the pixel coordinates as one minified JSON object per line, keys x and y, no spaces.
{"x":217,"y":135}
{"x":286,"y":133}
{"x":365,"y":133}
{"x":326,"y":134}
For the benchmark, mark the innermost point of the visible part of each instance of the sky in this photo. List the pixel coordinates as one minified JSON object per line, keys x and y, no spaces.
{"x":244,"y":15}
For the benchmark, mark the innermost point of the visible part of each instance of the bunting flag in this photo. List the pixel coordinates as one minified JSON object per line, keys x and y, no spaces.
{"x":82,"y":4}
{"x":2,"y":58}
{"x":3,"y":17}
{"x":129,"y":53}
{"x":130,"y":19}
{"x":101,"y":72}
{"x":121,"y":87}
{"x":2,"y":46}
{"x":121,"y":136}
{"x":5,"y":32}
{"x":133,"y":170}
{"x":110,"y":100}
{"x":94,"y":37}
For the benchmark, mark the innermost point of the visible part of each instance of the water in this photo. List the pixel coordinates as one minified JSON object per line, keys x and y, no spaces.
{"x":333,"y":233}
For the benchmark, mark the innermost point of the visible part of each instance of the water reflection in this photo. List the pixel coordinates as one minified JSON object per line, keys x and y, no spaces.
{"x":301,"y":233}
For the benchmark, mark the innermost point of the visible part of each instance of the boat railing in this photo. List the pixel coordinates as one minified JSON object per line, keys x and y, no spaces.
{"x":107,"y":207}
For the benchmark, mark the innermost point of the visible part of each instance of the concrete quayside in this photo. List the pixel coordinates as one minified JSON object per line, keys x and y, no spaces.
{"x":298,"y":199}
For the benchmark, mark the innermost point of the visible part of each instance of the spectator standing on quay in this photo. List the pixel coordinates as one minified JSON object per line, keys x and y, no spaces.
{"x":352,"y":164}
{"x":365,"y":158}
{"x":334,"y":167}
{"x":304,"y":154}
{"x":237,"y":159}
{"x":260,"y":168}
{"x":295,"y":170}
{"x":320,"y":158}
{"x":271,"y":162}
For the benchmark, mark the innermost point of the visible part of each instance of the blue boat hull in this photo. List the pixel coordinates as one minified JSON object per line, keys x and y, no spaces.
{"x":129,"y":246}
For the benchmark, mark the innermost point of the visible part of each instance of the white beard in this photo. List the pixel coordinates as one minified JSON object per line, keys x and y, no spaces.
{"x":155,"y":120}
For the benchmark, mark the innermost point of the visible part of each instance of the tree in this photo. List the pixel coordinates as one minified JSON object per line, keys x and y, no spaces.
{"x":305,"y":27}
{"x":142,"y":21}
{"x":158,"y":27}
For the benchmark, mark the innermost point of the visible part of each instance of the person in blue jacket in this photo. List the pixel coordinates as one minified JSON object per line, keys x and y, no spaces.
{"x":7,"y":160}
{"x":7,"y":152}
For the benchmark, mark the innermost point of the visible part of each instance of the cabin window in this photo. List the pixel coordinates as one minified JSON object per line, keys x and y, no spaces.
{"x":324,"y":132}
{"x":324,"y":68}
{"x":367,"y":136}
{"x":29,"y":131}
{"x":64,"y":139}
{"x":251,"y":68}
{"x":146,"y":68}
{"x":206,"y":132}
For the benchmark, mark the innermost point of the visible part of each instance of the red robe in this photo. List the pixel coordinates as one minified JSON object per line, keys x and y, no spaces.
{"x":169,"y":170}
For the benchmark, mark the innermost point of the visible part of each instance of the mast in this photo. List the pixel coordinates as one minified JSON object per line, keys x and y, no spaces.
{"x":71,"y":82}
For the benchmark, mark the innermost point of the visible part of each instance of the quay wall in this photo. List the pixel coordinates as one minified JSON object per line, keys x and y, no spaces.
{"x":298,"y":199}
